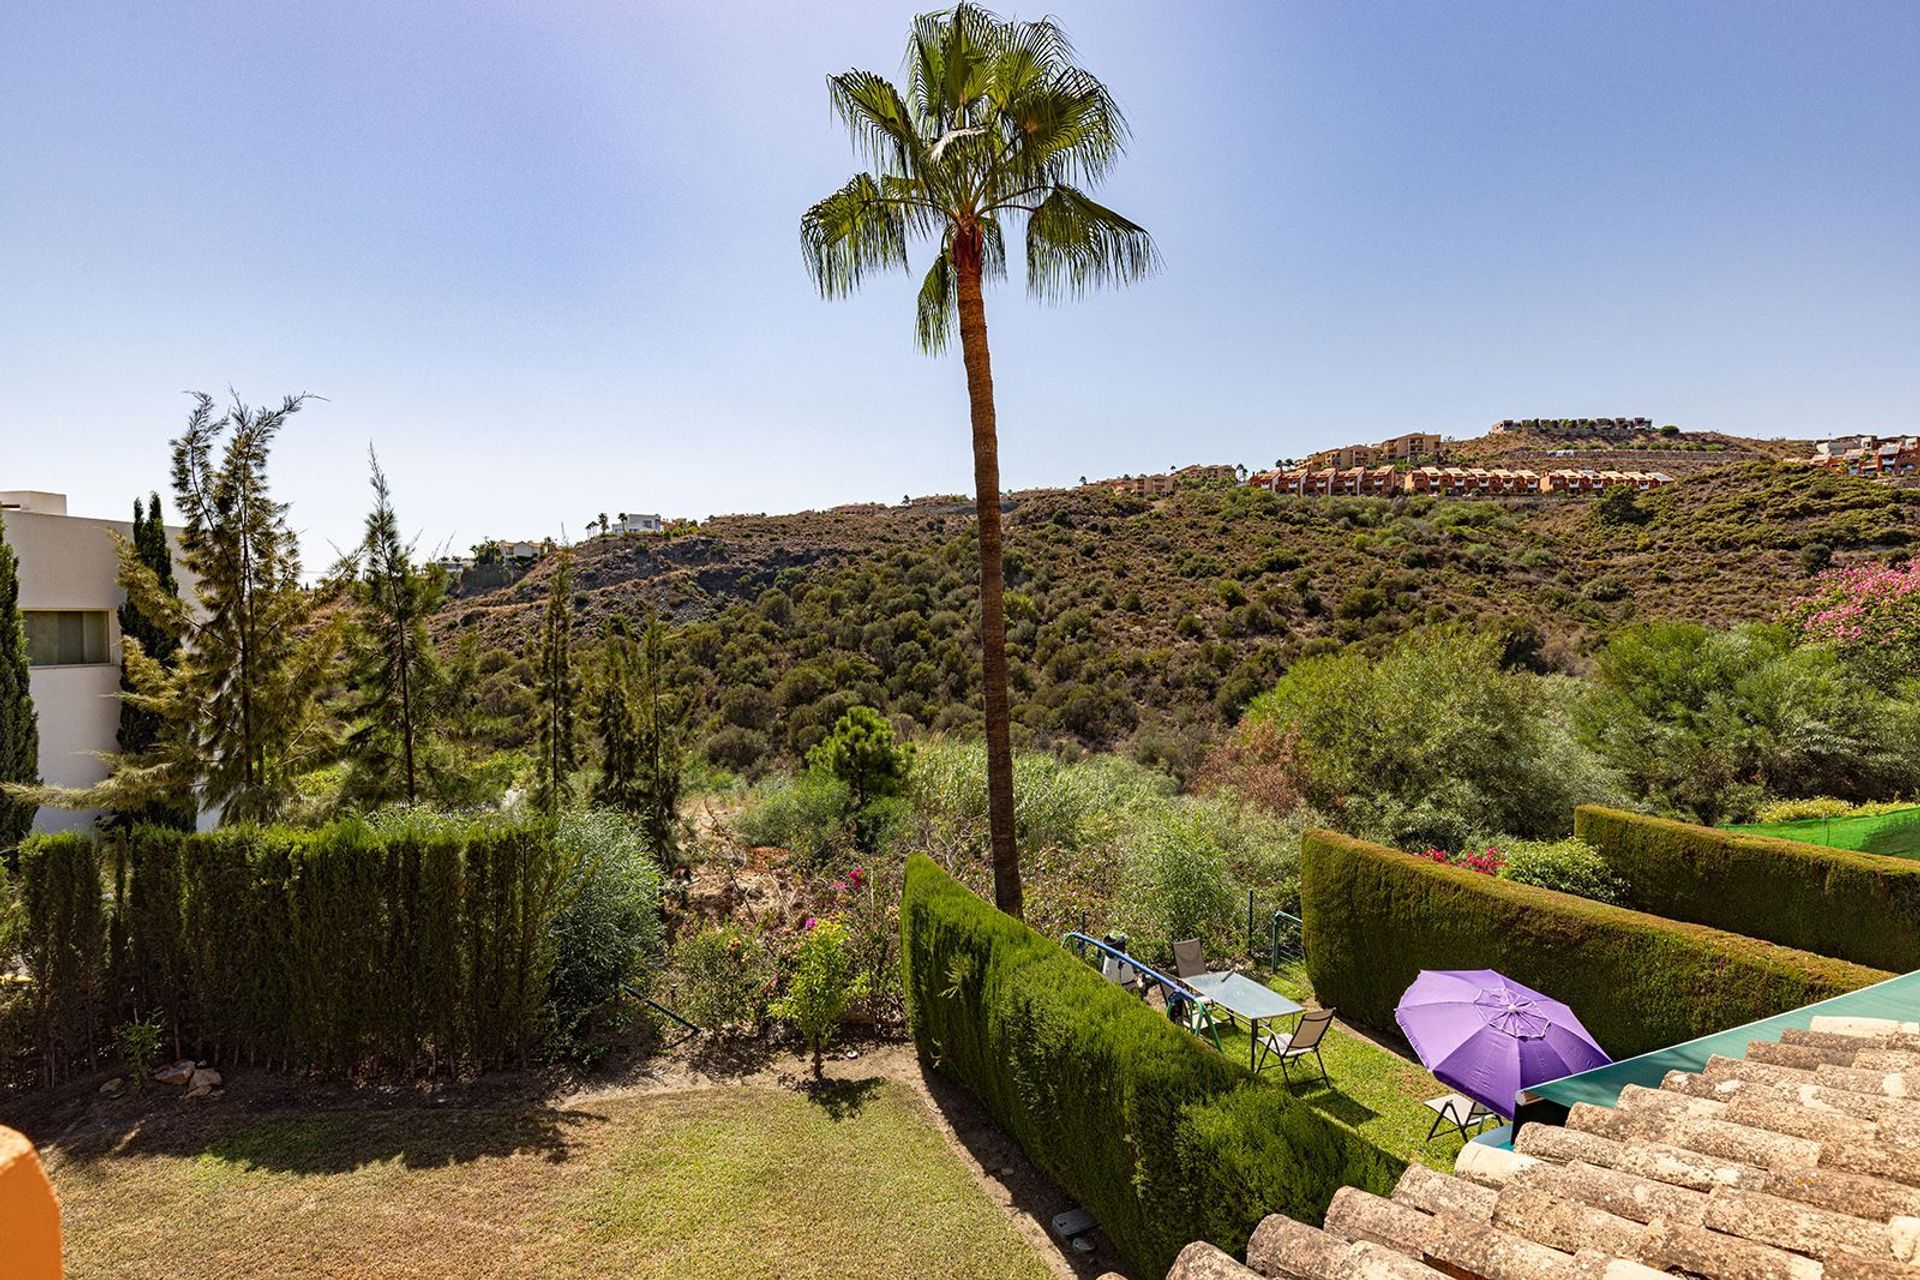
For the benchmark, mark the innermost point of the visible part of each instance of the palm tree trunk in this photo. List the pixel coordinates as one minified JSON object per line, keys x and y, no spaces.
{"x":993,"y":617}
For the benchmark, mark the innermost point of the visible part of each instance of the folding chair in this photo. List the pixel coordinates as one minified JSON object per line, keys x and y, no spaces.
{"x":1457,"y":1111}
{"x":1291,"y":1046}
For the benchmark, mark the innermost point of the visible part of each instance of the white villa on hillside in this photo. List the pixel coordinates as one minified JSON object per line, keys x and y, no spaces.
{"x":634,"y":522}
{"x":68,"y":597}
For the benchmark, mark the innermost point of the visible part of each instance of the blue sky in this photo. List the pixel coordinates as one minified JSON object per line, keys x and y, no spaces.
{"x":544,"y":255}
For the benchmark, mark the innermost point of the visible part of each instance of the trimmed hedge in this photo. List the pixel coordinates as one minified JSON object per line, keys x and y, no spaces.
{"x":1374,"y":917}
{"x":1857,"y":906}
{"x":1161,"y":1138}
{"x":420,"y":946}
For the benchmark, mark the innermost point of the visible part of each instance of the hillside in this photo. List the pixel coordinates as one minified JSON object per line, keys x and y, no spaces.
{"x":1150,"y":623}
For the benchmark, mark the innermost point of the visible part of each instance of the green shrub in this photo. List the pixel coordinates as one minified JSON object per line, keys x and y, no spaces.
{"x":825,"y":981}
{"x":1826,"y":807}
{"x":1834,"y":902}
{"x":1161,"y":1138}
{"x":1569,"y":866}
{"x":806,"y":813}
{"x":606,"y":933}
{"x":139,"y":1044}
{"x":416,"y":944}
{"x":1375,"y":917}
{"x":1434,"y":742}
{"x":723,"y":977}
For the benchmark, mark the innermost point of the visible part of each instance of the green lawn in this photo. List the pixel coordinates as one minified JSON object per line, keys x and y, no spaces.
{"x":746,"y":1181}
{"x":1895,"y":834}
{"x":1377,"y":1092}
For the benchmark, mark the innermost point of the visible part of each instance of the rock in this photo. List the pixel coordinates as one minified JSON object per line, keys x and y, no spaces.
{"x":176,"y":1073}
{"x":203,"y":1078}
{"x":199,"y":1091}
{"x":852,"y":1054}
{"x":114,"y":1086}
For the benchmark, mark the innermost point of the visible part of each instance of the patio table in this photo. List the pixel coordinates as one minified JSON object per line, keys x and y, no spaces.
{"x":1246,"y":999}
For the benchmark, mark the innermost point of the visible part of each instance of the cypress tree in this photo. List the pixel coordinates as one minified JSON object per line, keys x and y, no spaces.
{"x":662,"y":753}
{"x":19,"y":730}
{"x":557,"y":690}
{"x":617,"y":724}
{"x":153,"y":637}
{"x":396,"y":671}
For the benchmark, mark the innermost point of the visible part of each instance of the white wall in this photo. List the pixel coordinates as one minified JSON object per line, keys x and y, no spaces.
{"x":68,"y":562}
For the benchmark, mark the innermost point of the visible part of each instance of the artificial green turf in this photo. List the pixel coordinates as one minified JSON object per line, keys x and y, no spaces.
{"x":1894,"y":835}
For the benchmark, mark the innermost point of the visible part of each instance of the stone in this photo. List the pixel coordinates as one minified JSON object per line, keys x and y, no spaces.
{"x":199,"y":1091}
{"x":203,"y":1078}
{"x":176,"y":1073}
{"x":114,"y":1086}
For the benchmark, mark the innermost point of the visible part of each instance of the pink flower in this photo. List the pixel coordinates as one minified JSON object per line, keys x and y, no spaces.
{"x":811,"y":921}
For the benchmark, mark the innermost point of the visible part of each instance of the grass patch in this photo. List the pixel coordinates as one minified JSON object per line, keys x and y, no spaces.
{"x":750,"y":1181}
{"x":1377,"y":1092}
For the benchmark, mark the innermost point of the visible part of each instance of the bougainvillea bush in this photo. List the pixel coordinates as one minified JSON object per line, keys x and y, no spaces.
{"x":1872,"y":611}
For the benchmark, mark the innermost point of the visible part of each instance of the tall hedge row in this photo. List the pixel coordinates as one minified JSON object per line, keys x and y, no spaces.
{"x":1375,"y":917}
{"x":1160,"y":1137}
{"x":341,"y":949}
{"x":1858,"y":906}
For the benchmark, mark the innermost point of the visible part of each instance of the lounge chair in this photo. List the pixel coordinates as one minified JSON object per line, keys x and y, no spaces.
{"x":1291,"y":1046}
{"x":1189,"y":960}
{"x":1457,"y":1111}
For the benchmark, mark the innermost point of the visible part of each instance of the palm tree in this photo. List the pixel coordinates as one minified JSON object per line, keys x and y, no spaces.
{"x":998,"y":127}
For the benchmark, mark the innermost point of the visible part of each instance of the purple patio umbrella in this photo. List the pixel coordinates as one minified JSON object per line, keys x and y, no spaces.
{"x":1489,"y":1037}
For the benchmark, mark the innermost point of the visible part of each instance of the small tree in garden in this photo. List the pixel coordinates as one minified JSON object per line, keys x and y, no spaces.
{"x":615,"y":722}
{"x":661,"y":753}
{"x":1872,"y":612}
{"x":823,"y":985}
{"x":863,"y":752}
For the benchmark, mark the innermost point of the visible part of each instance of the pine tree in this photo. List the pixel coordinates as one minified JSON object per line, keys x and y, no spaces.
{"x":617,"y":723}
{"x":140,"y":725}
{"x":237,"y":722}
{"x":557,"y":689}
{"x":19,"y":730}
{"x":396,"y":672}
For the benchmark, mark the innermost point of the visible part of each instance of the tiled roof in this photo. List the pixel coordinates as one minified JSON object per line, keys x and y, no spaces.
{"x":1800,"y":1161}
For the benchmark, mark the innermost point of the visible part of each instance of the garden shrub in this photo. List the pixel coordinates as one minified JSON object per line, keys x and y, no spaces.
{"x":414,"y":944}
{"x":1835,"y":902}
{"x":606,"y":933}
{"x":1160,"y":1137}
{"x":723,"y":977}
{"x":1569,"y":866}
{"x":806,"y":814}
{"x":1375,"y":917}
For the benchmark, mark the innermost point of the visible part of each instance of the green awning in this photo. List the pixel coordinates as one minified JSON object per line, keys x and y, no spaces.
{"x":1897,"y":998}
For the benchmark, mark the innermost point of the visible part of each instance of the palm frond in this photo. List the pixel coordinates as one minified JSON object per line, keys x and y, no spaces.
{"x":936,"y":307}
{"x":1075,"y":244}
{"x":855,"y":230}
{"x":878,"y":118}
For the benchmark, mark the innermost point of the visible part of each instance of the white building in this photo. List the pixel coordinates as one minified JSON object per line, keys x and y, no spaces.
{"x":634,"y":522}
{"x":68,"y":597}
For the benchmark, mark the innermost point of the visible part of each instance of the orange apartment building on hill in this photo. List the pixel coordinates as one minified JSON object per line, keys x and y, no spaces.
{"x":1454,"y":482}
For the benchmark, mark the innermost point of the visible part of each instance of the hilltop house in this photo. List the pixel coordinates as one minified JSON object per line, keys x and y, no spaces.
{"x":634,"y":522}
{"x":69,"y":595}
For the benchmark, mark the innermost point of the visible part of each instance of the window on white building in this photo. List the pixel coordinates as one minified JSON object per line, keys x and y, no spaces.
{"x":66,"y":637}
